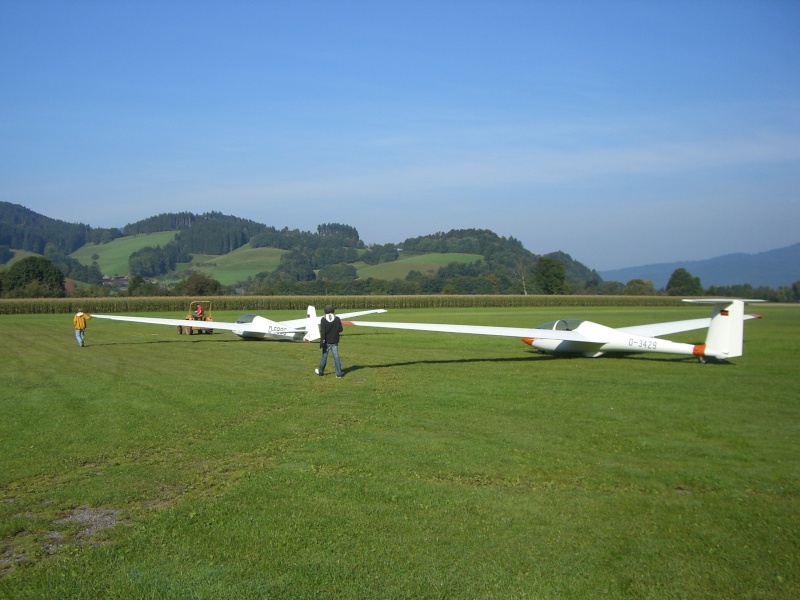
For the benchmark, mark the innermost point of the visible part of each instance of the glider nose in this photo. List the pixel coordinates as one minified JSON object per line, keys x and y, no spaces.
{"x":528,"y":341}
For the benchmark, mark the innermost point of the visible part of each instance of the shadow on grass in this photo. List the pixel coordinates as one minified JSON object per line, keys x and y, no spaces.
{"x":680,"y":358}
{"x":450,"y":361}
{"x":204,"y":339}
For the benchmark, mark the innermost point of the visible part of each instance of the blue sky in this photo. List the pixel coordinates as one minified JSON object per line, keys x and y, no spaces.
{"x":620,"y":132}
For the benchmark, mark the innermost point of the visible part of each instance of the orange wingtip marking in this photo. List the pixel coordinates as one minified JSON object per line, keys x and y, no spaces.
{"x":528,"y":341}
{"x":699,"y":350}
{"x":347,"y":322}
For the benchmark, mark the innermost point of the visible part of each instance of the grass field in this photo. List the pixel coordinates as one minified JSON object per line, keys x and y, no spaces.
{"x":152,"y":465}
{"x":426,"y":264}
{"x":114,"y":255}
{"x":240,"y":264}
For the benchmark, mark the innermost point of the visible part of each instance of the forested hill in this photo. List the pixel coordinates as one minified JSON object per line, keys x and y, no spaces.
{"x":332,"y":253}
{"x":209,"y":233}
{"x":23,"y":229}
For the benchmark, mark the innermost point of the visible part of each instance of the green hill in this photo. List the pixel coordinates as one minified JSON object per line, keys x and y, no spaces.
{"x":427,"y":264}
{"x":228,"y":268}
{"x":113,"y":256}
{"x":238,"y":265}
{"x":232,"y":250}
{"x":18,"y":255}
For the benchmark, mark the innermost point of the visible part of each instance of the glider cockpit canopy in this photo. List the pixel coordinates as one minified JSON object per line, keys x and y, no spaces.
{"x":561,"y":325}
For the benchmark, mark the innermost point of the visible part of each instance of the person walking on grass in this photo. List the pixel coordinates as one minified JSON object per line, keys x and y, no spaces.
{"x":330,"y":326}
{"x":79,"y":320}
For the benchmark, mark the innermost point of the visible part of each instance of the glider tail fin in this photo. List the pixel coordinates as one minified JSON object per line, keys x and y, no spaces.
{"x":312,"y":325}
{"x":726,"y":333}
{"x":725,"y":338}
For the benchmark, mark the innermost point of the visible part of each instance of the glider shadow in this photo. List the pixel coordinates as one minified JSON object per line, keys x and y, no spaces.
{"x":450,"y":361}
{"x":205,"y":339}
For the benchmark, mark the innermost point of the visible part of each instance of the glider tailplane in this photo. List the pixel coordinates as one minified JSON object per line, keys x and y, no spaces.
{"x":725,"y":336}
{"x":312,"y":325}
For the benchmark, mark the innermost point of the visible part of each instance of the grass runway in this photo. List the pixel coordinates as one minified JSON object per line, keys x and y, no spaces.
{"x":152,"y":465}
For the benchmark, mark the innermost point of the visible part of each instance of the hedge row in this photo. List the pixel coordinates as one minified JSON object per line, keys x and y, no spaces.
{"x":267,"y":303}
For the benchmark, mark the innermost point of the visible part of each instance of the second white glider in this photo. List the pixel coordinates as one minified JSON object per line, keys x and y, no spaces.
{"x":578,"y":337}
{"x":254,"y":327}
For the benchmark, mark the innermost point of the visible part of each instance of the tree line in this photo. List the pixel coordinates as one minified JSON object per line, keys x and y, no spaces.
{"x":321,"y":262}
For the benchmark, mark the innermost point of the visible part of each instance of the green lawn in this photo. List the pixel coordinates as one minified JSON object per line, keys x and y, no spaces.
{"x":152,"y":465}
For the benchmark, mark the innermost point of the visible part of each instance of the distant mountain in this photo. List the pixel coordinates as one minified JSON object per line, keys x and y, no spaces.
{"x":773,"y":268}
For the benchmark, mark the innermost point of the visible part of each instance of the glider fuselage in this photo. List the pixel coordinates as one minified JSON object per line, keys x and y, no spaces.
{"x":614,"y":341}
{"x":255,"y":327}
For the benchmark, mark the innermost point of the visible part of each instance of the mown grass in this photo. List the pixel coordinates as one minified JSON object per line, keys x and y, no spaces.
{"x":440,"y":466}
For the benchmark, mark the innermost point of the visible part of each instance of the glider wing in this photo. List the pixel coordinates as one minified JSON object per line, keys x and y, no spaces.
{"x":516,"y":332}
{"x":185,"y":323}
{"x":302,"y":322}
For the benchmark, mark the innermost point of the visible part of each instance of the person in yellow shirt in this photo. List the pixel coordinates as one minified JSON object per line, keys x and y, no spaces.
{"x":79,"y":321}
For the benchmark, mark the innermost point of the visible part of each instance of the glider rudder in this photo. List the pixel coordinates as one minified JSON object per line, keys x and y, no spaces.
{"x":725,"y":338}
{"x":312,"y":325}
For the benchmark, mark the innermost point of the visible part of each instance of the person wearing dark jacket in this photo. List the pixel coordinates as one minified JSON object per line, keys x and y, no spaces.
{"x":330,"y":326}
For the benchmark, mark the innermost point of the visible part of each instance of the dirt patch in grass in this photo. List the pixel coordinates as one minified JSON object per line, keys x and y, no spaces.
{"x":90,"y":519}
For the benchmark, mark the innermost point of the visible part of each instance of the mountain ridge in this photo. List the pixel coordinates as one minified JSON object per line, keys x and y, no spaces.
{"x":771,"y":268}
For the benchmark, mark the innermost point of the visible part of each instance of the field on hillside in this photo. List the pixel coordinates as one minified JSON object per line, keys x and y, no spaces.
{"x":240,"y":264}
{"x":114,"y":255}
{"x":227,"y":269}
{"x":18,"y":255}
{"x":426,"y":264}
{"x":149,"y":464}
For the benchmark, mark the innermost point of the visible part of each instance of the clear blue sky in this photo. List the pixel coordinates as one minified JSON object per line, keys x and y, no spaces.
{"x":620,"y":132}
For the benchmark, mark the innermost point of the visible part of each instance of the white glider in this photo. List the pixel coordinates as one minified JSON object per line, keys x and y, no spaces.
{"x":577,"y":337}
{"x":253,"y":327}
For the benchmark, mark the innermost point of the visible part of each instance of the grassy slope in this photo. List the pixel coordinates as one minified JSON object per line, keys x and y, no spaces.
{"x":247,"y":262}
{"x":114,"y":255}
{"x":440,"y":466}
{"x":427,"y":264}
{"x":238,"y":265}
{"x":18,"y":255}
{"x":227,"y":269}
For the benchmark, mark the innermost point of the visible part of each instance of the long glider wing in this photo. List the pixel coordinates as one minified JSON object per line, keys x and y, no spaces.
{"x":186,"y":323}
{"x":302,"y":322}
{"x":516,"y":332}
